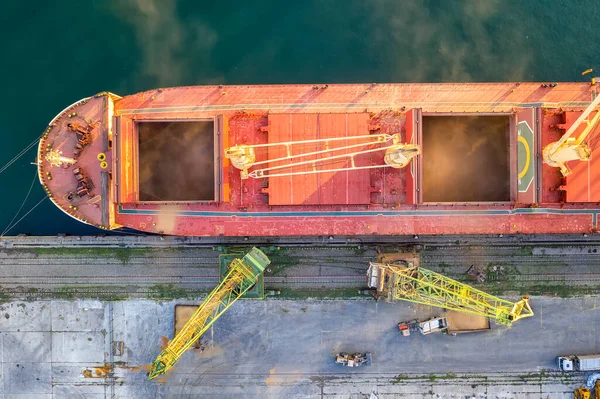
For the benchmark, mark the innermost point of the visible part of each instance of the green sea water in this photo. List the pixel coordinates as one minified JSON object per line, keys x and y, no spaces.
{"x":55,"y":53}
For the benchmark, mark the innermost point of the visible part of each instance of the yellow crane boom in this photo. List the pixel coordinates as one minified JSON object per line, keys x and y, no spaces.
{"x":242,"y":275}
{"x":568,"y":148}
{"x":415,"y":284}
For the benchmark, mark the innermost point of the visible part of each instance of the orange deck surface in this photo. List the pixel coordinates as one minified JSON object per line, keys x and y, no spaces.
{"x":583,"y":185}
{"x":330,"y":188}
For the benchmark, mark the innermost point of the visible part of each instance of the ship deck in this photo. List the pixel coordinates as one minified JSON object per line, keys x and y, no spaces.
{"x":79,"y":134}
{"x":480,"y":171}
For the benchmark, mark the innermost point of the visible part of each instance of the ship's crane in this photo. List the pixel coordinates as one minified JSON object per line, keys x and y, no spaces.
{"x":397,"y":155}
{"x":404,"y":281}
{"x":241,"y":276}
{"x":569,"y":148}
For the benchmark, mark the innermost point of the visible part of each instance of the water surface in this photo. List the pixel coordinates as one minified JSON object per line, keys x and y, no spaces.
{"x":55,"y":53}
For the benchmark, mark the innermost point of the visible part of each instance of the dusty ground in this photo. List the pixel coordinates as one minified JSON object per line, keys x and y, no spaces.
{"x":284,"y":349}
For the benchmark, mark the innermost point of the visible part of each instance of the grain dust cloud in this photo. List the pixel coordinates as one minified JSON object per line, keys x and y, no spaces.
{"x":466,"y":159}
{"x":446,"y":41}
{"x":174,"y":51}
{"x":176,"y":161}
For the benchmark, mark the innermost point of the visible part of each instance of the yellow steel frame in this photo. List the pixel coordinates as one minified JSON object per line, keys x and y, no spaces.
{"x":426,"y":287}
{"x":242,"y":275}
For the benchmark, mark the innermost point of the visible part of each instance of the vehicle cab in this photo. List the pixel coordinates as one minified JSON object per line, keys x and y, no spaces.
{"x":565,"y":363}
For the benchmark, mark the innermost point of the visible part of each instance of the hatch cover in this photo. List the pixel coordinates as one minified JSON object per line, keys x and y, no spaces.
{"x":525,"y":162}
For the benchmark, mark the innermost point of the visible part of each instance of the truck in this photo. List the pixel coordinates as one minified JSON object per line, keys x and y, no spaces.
{"x":354,"y":360}
{"x":452,"y":322}
{"x":579,"y":362}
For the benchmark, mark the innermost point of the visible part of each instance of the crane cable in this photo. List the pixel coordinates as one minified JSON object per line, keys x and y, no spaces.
{"x":11,"y":225}
{"x":20,"y":154}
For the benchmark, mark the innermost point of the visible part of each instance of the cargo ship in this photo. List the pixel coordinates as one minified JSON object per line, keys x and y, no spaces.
{"x":330,"y":159}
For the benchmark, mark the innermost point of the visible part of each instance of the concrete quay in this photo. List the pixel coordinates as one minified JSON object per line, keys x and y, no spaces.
{"x":133,"y":240}
{"x":284,"y":349}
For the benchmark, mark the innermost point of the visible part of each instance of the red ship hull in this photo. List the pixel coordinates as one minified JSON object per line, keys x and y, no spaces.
{"x":153,"y":161}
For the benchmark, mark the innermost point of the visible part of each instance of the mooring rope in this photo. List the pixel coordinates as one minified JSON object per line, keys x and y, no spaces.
{"x":22,"y":203}
{"x":23,"y":217}
{"x":19,"y":155}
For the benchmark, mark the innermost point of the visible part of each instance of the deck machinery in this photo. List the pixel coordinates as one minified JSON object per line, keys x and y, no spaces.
{"x":242,"y":275}
{"x":405,"y":280}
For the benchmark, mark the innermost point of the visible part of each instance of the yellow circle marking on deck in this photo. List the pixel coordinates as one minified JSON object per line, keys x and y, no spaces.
{"x":527,"y":157}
